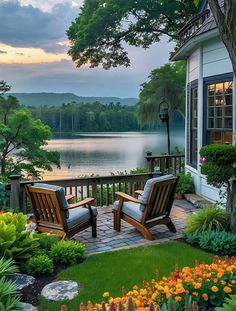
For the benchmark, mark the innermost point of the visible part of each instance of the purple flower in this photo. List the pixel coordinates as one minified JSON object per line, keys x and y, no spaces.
{"x":202,"y":160}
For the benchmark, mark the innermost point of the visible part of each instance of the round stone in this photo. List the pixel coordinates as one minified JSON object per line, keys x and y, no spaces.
{"x":60,"y":290}
{"x":29,"y":307}
{"x":22,"y":280}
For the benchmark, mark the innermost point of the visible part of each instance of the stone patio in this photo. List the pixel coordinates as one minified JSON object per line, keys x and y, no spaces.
{"x":110,"y":240}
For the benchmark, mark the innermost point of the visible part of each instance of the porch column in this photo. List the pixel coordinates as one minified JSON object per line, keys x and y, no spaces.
{"x":15,"y":192}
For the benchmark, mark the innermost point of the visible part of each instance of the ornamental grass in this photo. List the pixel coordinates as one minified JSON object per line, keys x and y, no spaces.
{"x":205,"y":284}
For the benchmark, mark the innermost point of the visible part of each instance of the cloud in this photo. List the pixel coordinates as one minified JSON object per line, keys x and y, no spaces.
{"x":27,"y":26}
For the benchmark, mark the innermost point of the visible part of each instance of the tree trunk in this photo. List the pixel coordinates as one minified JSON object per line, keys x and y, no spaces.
{"x":225,"y":21}
{"x":230,"y":205}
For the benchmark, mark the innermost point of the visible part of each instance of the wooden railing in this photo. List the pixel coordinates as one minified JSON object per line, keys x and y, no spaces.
{"x":102,"y":188}
{"x":165,"y":164}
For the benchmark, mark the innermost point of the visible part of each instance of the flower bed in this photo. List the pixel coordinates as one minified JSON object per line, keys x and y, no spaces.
{"x":205,"y":285}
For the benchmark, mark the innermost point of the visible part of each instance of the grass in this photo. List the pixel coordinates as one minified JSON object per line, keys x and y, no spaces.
{"x":111,"y":271}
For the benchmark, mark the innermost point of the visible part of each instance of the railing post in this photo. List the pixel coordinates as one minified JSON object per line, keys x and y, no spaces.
{"x":148,"y":162}
{"x":94,"y":193}
{"x":15,"y":192}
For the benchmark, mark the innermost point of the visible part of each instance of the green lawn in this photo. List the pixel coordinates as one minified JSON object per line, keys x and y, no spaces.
{"x":111,"y":271}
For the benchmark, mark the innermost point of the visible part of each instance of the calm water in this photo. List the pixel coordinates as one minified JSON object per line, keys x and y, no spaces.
{"x":103,"y":153}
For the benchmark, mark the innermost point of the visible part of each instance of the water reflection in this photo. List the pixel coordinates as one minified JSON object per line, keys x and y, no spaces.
{"x":103,"y":153}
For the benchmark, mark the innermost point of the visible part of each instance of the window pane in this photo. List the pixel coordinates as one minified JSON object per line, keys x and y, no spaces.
{"x":219,"y":101}
{"x":211,"y":89}
{"x":228,"y":111}
{"x":228,"y":123}
{"x":214,"y":138}
{"x":228,"y":138}
{"x":218,"y":123}
{"x":210,"y":123}
{"x":218,"y":111}
{"x":228,"y":100}
{"x":193,"y":151}
{"x":211,"y":112}
{"x":211,"y":101}
{"x":219,"y":88}
{"x":228,"y":87}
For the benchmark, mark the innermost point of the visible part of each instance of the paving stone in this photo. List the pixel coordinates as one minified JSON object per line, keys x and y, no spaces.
{"x":22,"y":280}
{"x":60,"y":290}
{"x":29,"y":307}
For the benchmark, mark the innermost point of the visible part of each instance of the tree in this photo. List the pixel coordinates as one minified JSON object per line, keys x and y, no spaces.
{"x":22,"y":141}
{"x":225,"y":21}
{"x":167,"y":82}
{"x":98,"y":34}
{"x":4,"y":87}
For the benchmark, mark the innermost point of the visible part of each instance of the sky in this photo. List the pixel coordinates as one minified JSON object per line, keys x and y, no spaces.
{"x":33,"y":53}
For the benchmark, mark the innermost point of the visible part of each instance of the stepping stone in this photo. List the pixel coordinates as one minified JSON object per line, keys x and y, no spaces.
{"x":29,"y":307}
{"x":22,"y":280}
{"x":60,"y":290}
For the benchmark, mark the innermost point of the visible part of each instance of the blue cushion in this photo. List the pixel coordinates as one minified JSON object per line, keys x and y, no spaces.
{"x":147,"y":188}
{"x":63,"y":201}
{"x":131,"y":209}
{"x":79,"y":215}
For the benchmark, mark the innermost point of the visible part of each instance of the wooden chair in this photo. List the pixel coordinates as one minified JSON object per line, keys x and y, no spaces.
{"x":151,"y":208}
{"x":52,"y":212}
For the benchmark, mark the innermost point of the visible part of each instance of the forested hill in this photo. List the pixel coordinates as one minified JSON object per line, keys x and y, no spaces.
{"x":57,"y":99}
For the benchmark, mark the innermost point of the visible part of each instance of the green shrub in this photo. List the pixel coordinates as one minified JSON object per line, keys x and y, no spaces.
{"x":185,"y":183}
{"x":46,"y":241}
{"x":229,"y":305}
{"x":9,"y":293}
{"x":39,"y":264}
{"x":69,"y":252}
{"x":209,"y":218}
{"x":139,"y":170}
{"x":15,"y":241}
{"x":219,"y":242}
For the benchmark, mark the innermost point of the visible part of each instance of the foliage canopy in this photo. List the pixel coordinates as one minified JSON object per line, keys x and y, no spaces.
{"x":98,"y":34}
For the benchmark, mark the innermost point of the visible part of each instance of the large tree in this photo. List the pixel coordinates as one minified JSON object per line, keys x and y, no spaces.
{"x":22,"y":141}
{"x":166,"y":82}
{"x":99,"y":32}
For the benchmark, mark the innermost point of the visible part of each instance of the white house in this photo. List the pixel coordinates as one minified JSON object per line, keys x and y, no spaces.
{"x":210,"y":95}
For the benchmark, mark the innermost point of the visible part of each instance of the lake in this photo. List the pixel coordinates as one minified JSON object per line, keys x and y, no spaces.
{"x":103,"y":153}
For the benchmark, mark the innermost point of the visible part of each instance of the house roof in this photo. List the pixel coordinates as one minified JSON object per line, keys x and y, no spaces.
{"x":192,"y":33}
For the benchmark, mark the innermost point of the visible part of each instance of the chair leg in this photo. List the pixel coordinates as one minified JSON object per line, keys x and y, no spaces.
{"x":94,"y":227}
{"x":171,"y":226}
{"x":116,"y":221}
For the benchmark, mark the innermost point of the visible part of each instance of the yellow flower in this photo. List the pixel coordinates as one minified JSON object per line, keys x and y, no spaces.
{"x":178,"y":298}
{"x":205,"y":296}
{"x":227,"y":289}
{"x":197,"y":285}
{"x":215,"y":289}
{"x":106,"y":295}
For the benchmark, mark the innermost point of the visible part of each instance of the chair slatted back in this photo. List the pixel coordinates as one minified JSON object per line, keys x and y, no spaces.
{"x":46,"y":207}
{"x":160,"y":199}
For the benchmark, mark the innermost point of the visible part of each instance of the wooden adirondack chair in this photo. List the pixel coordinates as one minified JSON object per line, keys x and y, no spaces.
{"x":52,"y":212}
{"x":151,"y":208}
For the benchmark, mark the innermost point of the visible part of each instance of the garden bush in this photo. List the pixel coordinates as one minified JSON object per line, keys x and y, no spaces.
{"x":69,"y":252}
{"x":9,"y":292}
{"x":229,"y":305}
{"x":219,"y":242}
{"x":39,"y":264}
{"x":209,"y":218}
{"x":205,"y":285}
{"x":15,"y":241}
{"x":185,"y":183}
{"x":46,"y":241}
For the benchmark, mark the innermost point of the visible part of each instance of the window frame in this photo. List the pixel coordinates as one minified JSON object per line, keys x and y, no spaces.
{"x":213,"y":80}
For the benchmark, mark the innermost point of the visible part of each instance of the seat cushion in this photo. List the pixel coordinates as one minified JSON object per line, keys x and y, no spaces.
{"x":63,"y":201}
{"x":131,"y":209}
{"x":79,"y":215}
{"x":147,"y":188}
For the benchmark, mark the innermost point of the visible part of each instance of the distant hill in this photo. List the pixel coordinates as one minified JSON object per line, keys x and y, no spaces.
{"x":57,"y":99}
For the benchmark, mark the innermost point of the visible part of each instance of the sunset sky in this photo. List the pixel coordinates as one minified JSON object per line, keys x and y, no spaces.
{"x":33,"y":53}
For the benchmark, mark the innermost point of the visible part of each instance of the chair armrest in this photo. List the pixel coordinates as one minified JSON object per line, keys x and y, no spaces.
{"x":128,"y":197}
{"x":139,"y":192}
{"x":69,"y":197}
{"x":83,"y":202}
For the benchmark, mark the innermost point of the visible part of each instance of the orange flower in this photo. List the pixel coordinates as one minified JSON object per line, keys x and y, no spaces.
{"x":227,"y":289}
{"x":205,"y":296}
{"x":178,"y":298}
{"x":215,"y":289}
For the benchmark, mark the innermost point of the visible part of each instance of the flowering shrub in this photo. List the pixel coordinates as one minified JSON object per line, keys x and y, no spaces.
{"x":206,"y":284}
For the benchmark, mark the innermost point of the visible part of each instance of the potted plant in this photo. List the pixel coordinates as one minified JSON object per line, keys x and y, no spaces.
{"x":185,"y":185}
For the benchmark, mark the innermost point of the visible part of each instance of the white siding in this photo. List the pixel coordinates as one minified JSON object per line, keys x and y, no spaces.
{"x":215,"y":58}
{"x":193,"y":66}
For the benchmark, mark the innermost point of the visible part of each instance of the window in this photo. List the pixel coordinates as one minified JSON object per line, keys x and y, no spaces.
{"x":219,"y":113}
{"x":193,"y":121}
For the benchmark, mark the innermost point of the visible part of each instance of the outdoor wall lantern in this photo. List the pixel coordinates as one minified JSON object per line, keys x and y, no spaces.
{"x":164,"y":116}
